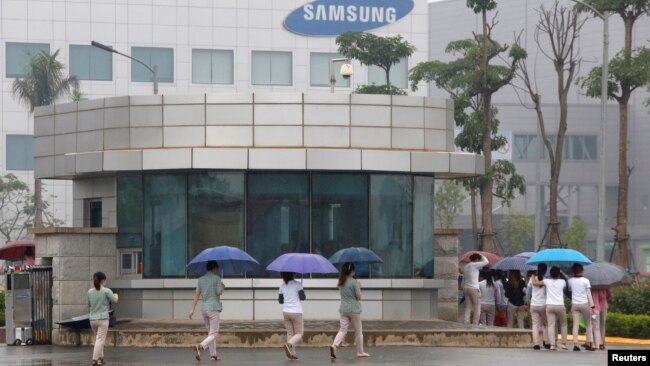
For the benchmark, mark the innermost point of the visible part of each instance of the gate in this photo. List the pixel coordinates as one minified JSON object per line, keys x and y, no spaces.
{"x":41,"y":284}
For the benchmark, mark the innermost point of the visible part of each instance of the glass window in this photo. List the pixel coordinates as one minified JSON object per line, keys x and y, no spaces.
{"x":18,"y":56}
{"x":391,"y":224}
{"x":20,"y":152}
{"x":319,"y":70}
{"x":398,"y":74}
{"x":212,"y":66}
{"x":525,"y":147}
{"x":277,"y":216}
{"x":162,"y":57}
{"x":94,"y":212}
{"x":339,"y":212}
{"x":216,"y":211}
{"x":90,"y":63}
{"x":423,"y":227}
{"x":129,"y":211}
{"x":164,"y":225}
{"x":272,"y":68}
{"x":583,"y":147}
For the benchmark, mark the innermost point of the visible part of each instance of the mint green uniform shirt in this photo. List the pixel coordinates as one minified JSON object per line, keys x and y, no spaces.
{"x":349,"y":292}
{"x":99,"y":301}
{"x":209,"y":287}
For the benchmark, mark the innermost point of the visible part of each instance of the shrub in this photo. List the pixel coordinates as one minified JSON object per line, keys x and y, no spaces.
{"x":631,"y":299}
{"x":629,"y":326}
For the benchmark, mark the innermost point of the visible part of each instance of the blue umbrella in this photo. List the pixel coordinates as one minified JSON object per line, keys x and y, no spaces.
{"x":231,"y":260}
{"x":514,"y":263}
{"x":526,"y":255}
{"x":301,"y":263}
{"x":355,"y":255}
{"x":559,"y":257}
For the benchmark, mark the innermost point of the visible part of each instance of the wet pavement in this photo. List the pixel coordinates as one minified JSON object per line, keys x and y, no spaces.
{"x":51,"y":355}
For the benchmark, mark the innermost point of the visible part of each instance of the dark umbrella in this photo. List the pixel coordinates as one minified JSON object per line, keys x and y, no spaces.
{"x":230,"y":259}
{"x":301,"y":263}
{"x":514,"y":263}
{"x":15,"y":250}
{"x":604,"y":274}
{"x":355,"y":255}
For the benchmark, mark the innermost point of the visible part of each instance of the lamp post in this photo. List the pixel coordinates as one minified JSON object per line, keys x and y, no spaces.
{"x":600,"y":238}
{"x":345,"y":71}
{"x":154,"y":69}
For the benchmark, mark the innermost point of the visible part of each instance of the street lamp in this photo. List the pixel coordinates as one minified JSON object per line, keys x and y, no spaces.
{"x":153,"y":70}
{"x":600,"y":238}
{"x":345,"y":71}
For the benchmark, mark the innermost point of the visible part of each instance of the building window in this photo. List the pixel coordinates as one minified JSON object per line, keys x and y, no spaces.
{"x":164,"y":225}
{"x":272,"y":68}
{"x":212,"y":66}
{"x":90,"y":63}
{"x":277,"y":216}
{"x":398,"y":74}
{"x":20,"y":152}
{"x":391,"y":224}
{"x":216,"y":211}
{"x":584,"y":147}
{"x":576,"y":147}
{"x":339,"y":213}
{"x":153,"y":56}
{"x":319,"y":70}
{"x":93,"y":212}
{"x":423,"y":188}
{"x":18,"y":56}
{"x":129,"y":211}
{"x":130,"y":262}
{"x":525,"y":147}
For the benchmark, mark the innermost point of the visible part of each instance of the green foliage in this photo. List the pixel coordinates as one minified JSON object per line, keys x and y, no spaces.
{"x":633,"y":299}
{"x":370,"y":49}
{"x":632,"y":71}
{"x":44,"y":82}
{"x":379,"y":89}
{"x":620,"y":7}
{"x":448,"y":203}
{"x":481,"y":5}
{"x":516,"y":229}
{"x":575,"y":234}
{"x":628,"y":326}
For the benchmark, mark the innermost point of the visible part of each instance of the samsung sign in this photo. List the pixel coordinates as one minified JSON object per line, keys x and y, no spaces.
{"x":334,"y":17}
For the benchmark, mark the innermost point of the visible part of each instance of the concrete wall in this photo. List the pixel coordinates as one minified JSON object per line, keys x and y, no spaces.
{"x":103,"y":188}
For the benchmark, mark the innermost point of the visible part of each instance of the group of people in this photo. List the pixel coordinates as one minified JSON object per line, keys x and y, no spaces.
{"x":488,"y":291}
{"x":210,"y":288}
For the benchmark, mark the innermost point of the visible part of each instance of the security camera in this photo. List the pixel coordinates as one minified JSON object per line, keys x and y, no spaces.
{"x":346,"y":70}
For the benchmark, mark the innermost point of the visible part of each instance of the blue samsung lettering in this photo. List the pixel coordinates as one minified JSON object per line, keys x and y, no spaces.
{"x":334,"y":17}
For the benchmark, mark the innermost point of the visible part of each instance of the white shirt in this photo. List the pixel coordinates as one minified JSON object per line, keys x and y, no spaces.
{"x":554,"y":291}
{"x":579,"y":287}
{"x":291,"y":299}
{"x":489,"y":295}
{"x":470,"y":273}
{"x":503,"y":300}
{"x":538,"y":295}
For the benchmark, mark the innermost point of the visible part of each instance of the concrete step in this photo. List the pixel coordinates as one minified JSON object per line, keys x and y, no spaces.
{"x":174,"y":333}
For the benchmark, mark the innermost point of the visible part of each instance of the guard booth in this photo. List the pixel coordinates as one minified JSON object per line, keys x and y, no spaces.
{"x":28,"y":302}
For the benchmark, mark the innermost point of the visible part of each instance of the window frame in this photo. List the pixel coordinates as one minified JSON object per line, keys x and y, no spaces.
{"x":133,"y":63}
{"x":337,"y":74}
{"x":20,"y":75}
{"x":234,"y":66}
{"x":6,"y":152}
{"x":110,"y":55}
{"x":293,"y":62}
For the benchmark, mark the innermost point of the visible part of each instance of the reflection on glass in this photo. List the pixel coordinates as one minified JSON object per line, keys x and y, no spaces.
{"x":277,"y":216}
{"x":391,"y":203}
{"x":129,"y":211}
{"x":423,"y":227}
{"x":216,"y":211}
{"x":339,"y":213}
{"x":164,"y":225}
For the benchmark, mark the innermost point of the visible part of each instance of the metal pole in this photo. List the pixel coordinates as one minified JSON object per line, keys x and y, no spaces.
{"x":155,"y":79}
{"x":153,"y":70}
{"x":332,"y":76}
{"x":600,"y":239}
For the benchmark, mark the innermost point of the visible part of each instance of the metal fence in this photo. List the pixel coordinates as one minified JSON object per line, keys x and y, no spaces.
{"x":41,"y":285}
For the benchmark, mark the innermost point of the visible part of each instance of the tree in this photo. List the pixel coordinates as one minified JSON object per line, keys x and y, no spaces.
{"x":560,"y":27}
{"x":43,"y":84}
{"x":17,"y":208}
{"x":472,"y":80}
{"x":370,"y":49}
{"x":517,"y":228}
{"x":628,"y":70}
{"x":448,"y":203}
{"x":575,"y":234}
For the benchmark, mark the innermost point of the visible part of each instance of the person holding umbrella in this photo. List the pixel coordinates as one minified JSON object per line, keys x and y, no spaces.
{"x":210,"y":289}
{"x":582,"y":304}
{"x":471,"y":287}
{"x":290,"y":296}
{"x":350,"y":309}
{"x":600,"y":296}
{"x":536,"y":296}
{"x":555,"y":309}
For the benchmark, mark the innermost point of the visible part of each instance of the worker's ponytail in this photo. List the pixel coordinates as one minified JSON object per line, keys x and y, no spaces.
{"x":98,"y":277}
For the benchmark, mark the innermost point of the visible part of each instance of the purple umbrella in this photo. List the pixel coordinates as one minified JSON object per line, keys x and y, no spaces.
{"x":526,"y":255}
{"x":301,"y":263}
{"x":514,"y":263}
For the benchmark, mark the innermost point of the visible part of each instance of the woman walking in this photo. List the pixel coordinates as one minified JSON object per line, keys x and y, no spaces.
{"x":470,"y":286}
{"x":601,"y":296}
{"x":537,"y":296}
{"x":210,"y":289}
{"x":291,"y":294}
{"x":515,"y":292}
{"x":99,"y":300}
{"x":555,"y":309}
{"x":350,"y":310}
{"x":490,"y":295}
{"x":582,"y":304}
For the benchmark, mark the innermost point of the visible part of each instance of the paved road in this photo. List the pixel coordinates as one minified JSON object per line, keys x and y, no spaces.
{"x":59,"y":356}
